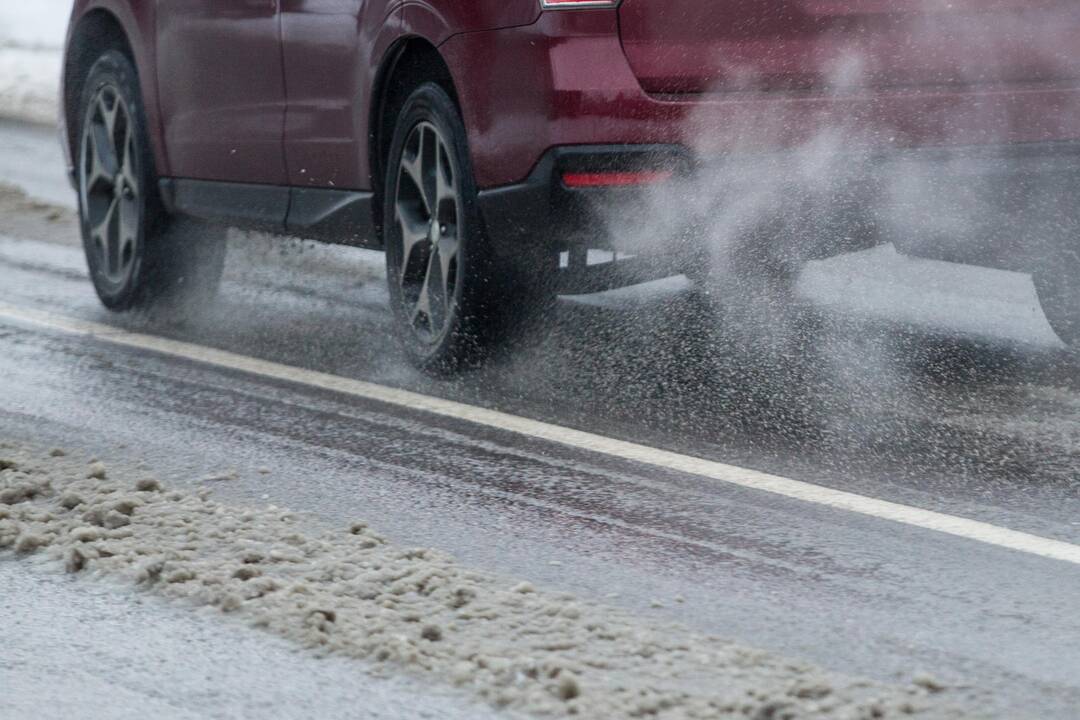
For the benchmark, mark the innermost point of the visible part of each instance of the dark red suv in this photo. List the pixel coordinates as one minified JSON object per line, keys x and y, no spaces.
{"x":487,"y":144}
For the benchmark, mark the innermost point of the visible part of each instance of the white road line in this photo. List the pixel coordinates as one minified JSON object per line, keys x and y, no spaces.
{"x":742,"y":477}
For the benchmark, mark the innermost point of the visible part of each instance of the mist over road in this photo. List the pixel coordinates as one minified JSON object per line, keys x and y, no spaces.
{"x":931,"y":386}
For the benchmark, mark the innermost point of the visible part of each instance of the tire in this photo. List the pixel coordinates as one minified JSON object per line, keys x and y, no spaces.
{"x":453,"y":297}
{"x":1058,"y":287}
{"x":136,"y":253}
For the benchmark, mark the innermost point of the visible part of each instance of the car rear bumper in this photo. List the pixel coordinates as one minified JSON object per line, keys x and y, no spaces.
{"x":1004,"y":206}
{"x":565,"y":80}
{"x":542,"y":208}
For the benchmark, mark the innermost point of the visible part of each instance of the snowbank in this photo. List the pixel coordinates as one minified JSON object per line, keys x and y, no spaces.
{"x":29,"y":84}
{"x":354,"y":593}
{"x":31,"y":38}
{"x":36,"y":24}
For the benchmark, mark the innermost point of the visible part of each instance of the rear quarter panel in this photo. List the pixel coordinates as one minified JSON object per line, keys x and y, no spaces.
{"x":477,"y":81}
{"x":437,"y":20}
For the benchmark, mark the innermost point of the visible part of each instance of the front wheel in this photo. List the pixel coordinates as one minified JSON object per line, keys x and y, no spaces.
{"x":136,"y":253}
{"x":453,"y":297}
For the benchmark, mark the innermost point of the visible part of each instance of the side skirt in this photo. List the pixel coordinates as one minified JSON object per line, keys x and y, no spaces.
{"x":341,"y":217}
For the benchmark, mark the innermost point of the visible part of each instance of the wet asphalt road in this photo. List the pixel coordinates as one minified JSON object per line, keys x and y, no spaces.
{"x":108,"y":653}
{"x":954,"y":398}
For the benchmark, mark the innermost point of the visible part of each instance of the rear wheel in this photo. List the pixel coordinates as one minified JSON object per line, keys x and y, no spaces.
{"x":135,"y":252}
{"x":453,"y":297}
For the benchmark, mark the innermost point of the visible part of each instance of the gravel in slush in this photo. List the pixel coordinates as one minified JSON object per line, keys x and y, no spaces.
{"x":414,"y":610}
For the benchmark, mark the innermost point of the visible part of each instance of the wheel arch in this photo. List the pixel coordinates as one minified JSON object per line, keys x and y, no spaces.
{"x":411,"y":61}
{"x":97,"y":31}
{"x":98,"y":26}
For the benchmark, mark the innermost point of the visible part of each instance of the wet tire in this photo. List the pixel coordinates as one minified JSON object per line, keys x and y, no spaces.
{"x":1058,"y":286}
{"x":453,"y":297}
{"x":136,"y":253}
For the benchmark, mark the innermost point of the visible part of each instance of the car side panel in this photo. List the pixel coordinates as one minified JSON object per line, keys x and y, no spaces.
{"x":138,"y":20}
{"x":332,"y":52}
{"x":222,"y":89}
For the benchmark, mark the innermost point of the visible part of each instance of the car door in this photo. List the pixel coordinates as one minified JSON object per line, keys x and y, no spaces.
{"x":222,"y":89}
{"x":332,"y":50}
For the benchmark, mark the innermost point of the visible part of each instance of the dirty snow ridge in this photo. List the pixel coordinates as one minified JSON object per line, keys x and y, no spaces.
{"x":413,"y":610}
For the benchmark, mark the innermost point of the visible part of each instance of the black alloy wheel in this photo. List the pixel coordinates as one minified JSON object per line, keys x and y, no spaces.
{"x":137,"y":254}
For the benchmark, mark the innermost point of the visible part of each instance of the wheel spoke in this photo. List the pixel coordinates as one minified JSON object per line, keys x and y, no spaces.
{"x":102,"y":160}
{"x":127,"y":230}
{"x":127,"y":167}
{"x":429,"y":152}
{"x":445,"y":192}
{"x":108,"y":114}
{"x":103,"y":234}
{"x":413,"y":232}
{"x":423,"y":304}
{"x":436,"y":292}
{"x":448,"y":248}
{"x":413,"y":166}
{"x":100,"y":230}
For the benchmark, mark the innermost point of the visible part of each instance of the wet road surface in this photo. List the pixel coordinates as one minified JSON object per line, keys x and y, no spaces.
{"x":945,"y":406}
{"x":144,"y":657}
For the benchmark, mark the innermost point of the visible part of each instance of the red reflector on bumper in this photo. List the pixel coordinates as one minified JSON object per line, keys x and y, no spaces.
{"x":615,"y":179}
{"x":575,"y":4}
